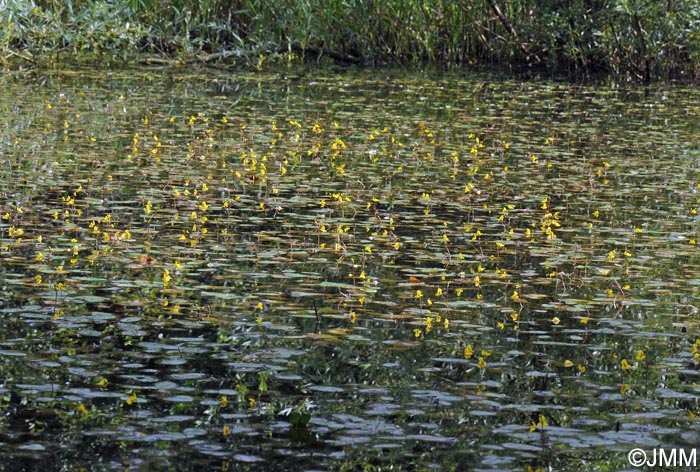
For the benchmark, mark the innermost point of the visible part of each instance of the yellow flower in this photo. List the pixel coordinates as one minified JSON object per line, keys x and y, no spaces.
{"x":568,"y":363}
{"x":419,"y":294}
{"x":468,"y":351}
{"x":224,"y":401}
{"x":166,"y":278}
{"x":543,"y":422}
{"x":481,"y":363}
{"x":131,"y":399}
{"x":556,"y":320}
{"x":417,"y":332}
{"x":640,"y":355}
{"x":625,"y":365}
{"x":226,"y":431}
{"x":81,"y":409}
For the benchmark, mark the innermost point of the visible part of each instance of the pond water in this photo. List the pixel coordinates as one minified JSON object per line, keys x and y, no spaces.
{"x":345,"y":270}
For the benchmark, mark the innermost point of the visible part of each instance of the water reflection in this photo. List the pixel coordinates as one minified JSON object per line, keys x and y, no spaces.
{"x":342,"y":271}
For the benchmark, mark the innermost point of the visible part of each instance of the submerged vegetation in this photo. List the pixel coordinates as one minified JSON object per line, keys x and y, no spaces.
{"x":638,"y":40}
{"x":344,"y":273}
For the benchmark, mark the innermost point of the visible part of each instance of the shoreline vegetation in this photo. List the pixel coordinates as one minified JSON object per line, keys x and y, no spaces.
{"x":629,"y":40}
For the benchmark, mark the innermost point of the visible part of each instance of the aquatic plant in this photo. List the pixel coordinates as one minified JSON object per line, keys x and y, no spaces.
{"x":187,"y":281}
{"x":632,"y":40}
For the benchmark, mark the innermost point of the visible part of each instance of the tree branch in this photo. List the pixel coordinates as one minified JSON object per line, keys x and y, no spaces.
{"x":509,"y":27}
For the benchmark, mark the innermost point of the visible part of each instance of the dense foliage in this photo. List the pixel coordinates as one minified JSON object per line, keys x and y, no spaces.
{"x":638,"y":40}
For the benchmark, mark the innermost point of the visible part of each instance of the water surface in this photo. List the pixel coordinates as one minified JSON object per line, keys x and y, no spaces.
{"x":344,"y":271}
